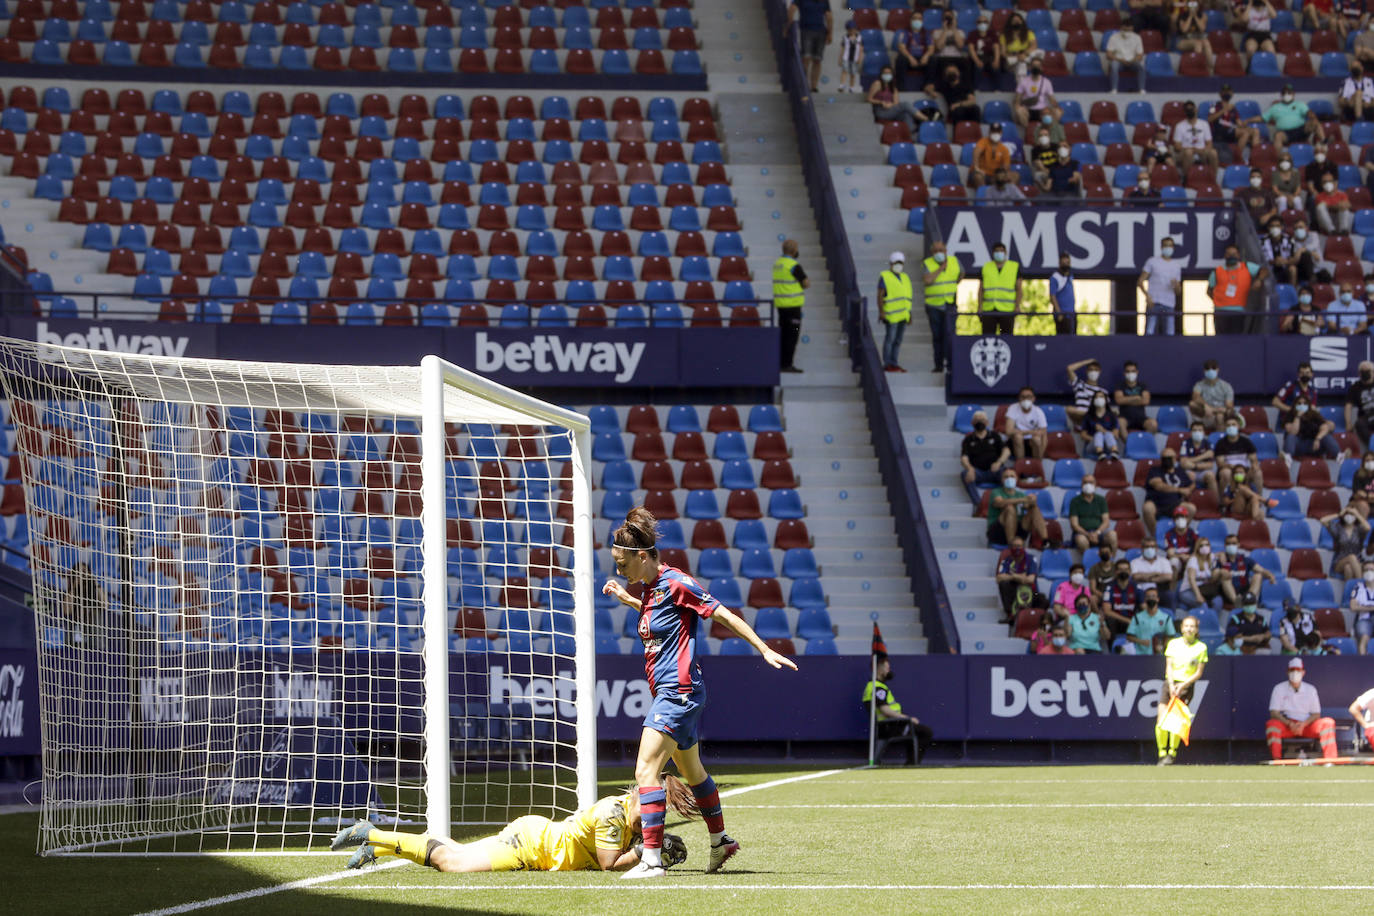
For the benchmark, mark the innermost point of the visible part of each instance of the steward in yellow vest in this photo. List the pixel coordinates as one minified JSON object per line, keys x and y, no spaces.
{"x":894,"y":307}
{"x":999,"y":295}
{"x":789,"y":285}
{"x":941,"y":280}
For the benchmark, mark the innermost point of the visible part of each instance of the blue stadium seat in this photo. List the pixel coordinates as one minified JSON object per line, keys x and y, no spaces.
{"x":806,"y":593}
{"x":1285,"y":506}
{"x":1317,"y":593}
{"x":1067,"y":474}
{"x":1112,"y":132}
{"x":1334,"y":65}
{"x":682,"y":418}
{"x":1172,"y":419}
{"x":1159,"y":64}
{"x":1264,"y":63}
{"x":702,"y":504}
{"x":784,"y":504}
{"x":1087,"y":63}
{"x":1294,"y":533}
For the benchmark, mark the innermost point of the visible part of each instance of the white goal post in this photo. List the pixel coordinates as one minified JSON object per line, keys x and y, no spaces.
{"x":272,"y":598}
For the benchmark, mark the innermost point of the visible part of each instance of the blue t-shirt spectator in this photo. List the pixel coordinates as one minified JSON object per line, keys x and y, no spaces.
{"x":811,"y":14}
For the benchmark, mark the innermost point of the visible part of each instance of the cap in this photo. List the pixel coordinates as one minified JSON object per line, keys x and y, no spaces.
{"x":1180,"y":511}
{"x":1295,"y":664}
{"x":1250,"y":601}
{"x":896,"y":257}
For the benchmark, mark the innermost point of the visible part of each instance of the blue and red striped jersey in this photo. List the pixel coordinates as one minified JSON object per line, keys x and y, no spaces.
{"x":668,"y":627}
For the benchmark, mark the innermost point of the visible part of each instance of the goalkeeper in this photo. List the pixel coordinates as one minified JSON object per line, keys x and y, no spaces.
{"x":1184,"y":659}
{"x":605,"y":836}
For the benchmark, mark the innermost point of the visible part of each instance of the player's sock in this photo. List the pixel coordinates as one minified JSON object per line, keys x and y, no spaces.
{"x":652,"y":806}
{"x":412,"y":846}
{"x":708,"y":801}
{"x":1161,"y":740}
{"x":1174,"y":742}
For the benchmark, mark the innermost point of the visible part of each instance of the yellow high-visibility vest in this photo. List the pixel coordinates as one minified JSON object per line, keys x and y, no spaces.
{"x":896,"y":296}
{"x":941,"y":292}
{"x":787,"y":291}
{"x":999,"y":286}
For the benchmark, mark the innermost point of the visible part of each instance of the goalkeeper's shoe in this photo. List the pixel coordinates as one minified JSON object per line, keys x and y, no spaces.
{"x":722,"y":851}
{"x":364,"y":856}
{"x":643,"y":870}
{"x":355,"y":835}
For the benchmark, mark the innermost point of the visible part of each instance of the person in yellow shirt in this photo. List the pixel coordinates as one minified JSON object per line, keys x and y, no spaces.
{"x":1185,"y":657}
{"x":602,"y":837}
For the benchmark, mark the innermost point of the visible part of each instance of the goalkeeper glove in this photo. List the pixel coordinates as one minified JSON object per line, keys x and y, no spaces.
{"x":674,"y":850}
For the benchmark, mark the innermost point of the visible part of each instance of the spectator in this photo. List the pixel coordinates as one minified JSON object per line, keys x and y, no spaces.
{"x":1152,"y":568}
{"x":1086,"y":629}
{"x":1362,"y":484}
{"x":1363,"y":49}
{"x":1348,"y":532}
{"x":1258,"y":19}
{"x":1025,"y":423}
{"x":1246,"y":631}
{"x":1227,"y":126}
{"x":1235,"y":451}
{"x":1125,"y":51}
{"x":1193,"y":140}
{"x":985,"y":54}
{"x":990,"y":155}
{"x":1303,"y":318}
{"x":852,"y":55}
{"x":961,"y":103}
{"x":1295,"y":711}
{"x":1357,"y":94}
{"x":1143,"y":192}
{"x":1145,"y":624}
{"x":1228,"y":286}
{"x":1068,"y":593}
{"x":1088,"y":518}
{"x":1083,"y":389}
{"x":1044,"y":632}
{"x":1319,"y":14}
{"x":815,"y":29}
{"x":1167,"y":487}
{"x":1204,"y":581}
{"x":1280,"y":252}
{"x":951,"y":47}
{"x":1362,"y":609}
{"x":1334,"y":213}
{"x":1308,"y":250}
{"x":1298,"y":633}
{"x":893,"y":724}
{"x":1012,"y":511}
{"x":1003,"y":189}
{"x":940,"y":282}
{"x":1064,"y":178}
{"x":1161,"y":280}
{"x":1016,"y":570}
{"x":1100,"y":573}
{"x":1159,"y":152}
{"x":1062,"y":297}
{"x":1034,"y":96}
{"x":1352,"y":15}
{"x":887,"y":104}
{"x":1043,"y":155}
{"x":1258,"y":198}
{"x":982,"y":455}
{"x":1131,"y":398}
{"x":914,"y":53}
{"x":1185,"y":658}
{"x":1150,"y":14}
{"x":999,"y":292}
{"x":1359,"y":403}
{"x":1120,"y":599}
{"x":1312,"y":172}
{"x":1213,"y":398}
{"x":1018,"y":46}
{"x":1291,"y":121}
{"x":1345,"y":314}
{"x":1189,"y":23}
{"x":1241,"y":497}
{"x":1286,"y":183}
{"x":1198,"y":458}
{"x":1246,"y":575}
{"x":1099,"y":430}
{"x":1307,"y":432}
{"x":894,"y":308}
{"x":1058,"y":642}
{"x":1180,"y":540}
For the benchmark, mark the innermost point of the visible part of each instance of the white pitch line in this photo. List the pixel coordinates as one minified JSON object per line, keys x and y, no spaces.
{"x":1074,"y":782}
{"x":728,"y":887}
{"x":729,"y":793}
{"x":264,"y":891}
{"x":1080,"y":805}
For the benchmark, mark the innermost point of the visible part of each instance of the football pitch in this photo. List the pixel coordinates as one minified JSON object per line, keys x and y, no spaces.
{"x":1090,"y":839}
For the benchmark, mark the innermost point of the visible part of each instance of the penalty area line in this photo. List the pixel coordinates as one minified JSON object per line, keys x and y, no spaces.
{"x":271,"y":889}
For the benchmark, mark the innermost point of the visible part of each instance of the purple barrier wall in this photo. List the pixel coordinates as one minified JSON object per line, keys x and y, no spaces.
{"x":19,"y":735}
{"x":565,"y":357}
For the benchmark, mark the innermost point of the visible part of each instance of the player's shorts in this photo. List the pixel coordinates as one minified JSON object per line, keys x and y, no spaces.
{"x":1186,"y":694}
{"x":677,"y":715}
{"x":520,"y":846}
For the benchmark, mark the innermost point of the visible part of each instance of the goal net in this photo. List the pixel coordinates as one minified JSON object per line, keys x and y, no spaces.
{"x":274,"y":598}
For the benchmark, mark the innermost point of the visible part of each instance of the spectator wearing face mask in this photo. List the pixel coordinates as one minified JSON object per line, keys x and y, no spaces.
{"x":1158,"y":152}
{"x":1362,"y":484}
{"x":1363,"y":49}
{"x":887,"y":103}
{"x":1012,"y":511}
{"x":1308,"y":433}
{"x":1161,"y":280}
{"x":1291,"y":121}
{"x":1144,"y":192}
{"x":1016,"y":570}
{"x":1307,"y":250}
{"x":1286,"y":183}
{"x":1258,"y":198}
{"x":1125,"y":53}
{"x":1242,"y":496}
{"x":1025,"y":425}
{"x":1063,"y":178}
{"x":1257,"y":20}
{"x":1304,"y":317}
{"x":1167,"y":488}
{"x":990,"y":155}
{"x":1131,"y":398}
{"x":1301,"y":385}
{"x":1120,"y":598}
{"x":1087,"y":629}
{"x":1362,"y":609}
{"x":1235,"y":451}
{"x":1334,"y":213}
{"x":1227,"y":126}
{"x":914,"y":53}
{"x":1069,"y":592}
{"x":1100,"y":428}
{"x":1018,"y":46}
{"x":1359,"y":403}
{"x":1295,"y":711}
{"x":1151,"y":567}
{"x":1348,"y":532}
{"x":1279,"y":252}
{"x":982,"y":456}
{"x":1312,"y":172}
{"x":1180,"y":540}
{"x":1246,"y":631}
{"x":956,"y":89}
{"x":1089,"y":520}
{"x":1189,"y":23}
{"x":1346,"y":314}
{"x":1083,"y":388}
{"x":1034,"y":96}
{"x":1044,"y":154}
{"x":1100,"y":573}
{"x":1357,"y":94}
{"x":1150,"y":14}
{"x":1298,"y":631}
{"x":1197,"y":458}
{"x":985,"y":54}
{"x":1193,"y":140}
{"x":1147,"y":623}
{"x":1213,"y":397}
{"x":1245,"y":574}
{"x":940,"y":282}
{"x":999,"y":292}
{"x":1044,"y":632}
{"x":1203,"y":580}
{"x":1002,"y":189}
{"x":1058,"y":642}
{"x":894,"y":308}
{"x":1319,"y":14}
{"x":1228,"y":286}
{"x":1062,"y":297}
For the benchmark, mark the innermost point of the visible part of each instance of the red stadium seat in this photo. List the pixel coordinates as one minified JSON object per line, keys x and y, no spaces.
{"x":1305,"y":563}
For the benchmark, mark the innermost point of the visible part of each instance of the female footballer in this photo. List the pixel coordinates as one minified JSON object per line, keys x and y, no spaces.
{"x":668,"y":618}
{"x":603,"y":836}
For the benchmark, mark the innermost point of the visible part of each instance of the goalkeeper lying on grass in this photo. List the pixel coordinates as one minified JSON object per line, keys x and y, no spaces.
{"x":603,"y":836}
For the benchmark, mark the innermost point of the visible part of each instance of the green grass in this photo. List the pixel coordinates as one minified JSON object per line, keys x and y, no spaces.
{"x":871,"y":841}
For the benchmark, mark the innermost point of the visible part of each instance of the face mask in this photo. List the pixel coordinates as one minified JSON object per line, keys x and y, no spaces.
{"x":1042,"y":140}
{"x":1001,"y":182}
{"x":1211,"y":374}
{"x":1275,"y":232}
{"x":1190,"y":113}
{"x":1232,"y":549}
{"x":1346,"y":297}
{"x":1065,"y":267}
{"x":1143,"y":185}
{"x":1026,"y":403}
{"x":1295,"y":678}
{"x":982,"y":27}
{"x":1093,"y":374}
{"x":1285,"y":165}
{"x":1099,"y":402}
{"x":1236,"y":643}
{"x":1180,"y":523}
{"x":939,"y":257}
{"x":1204,"y":550}
{"x":1328,"y":187}
{"x":1151,"y":603}
{"x":996,"y":136}
{"x":1148,"y":553}
{"x":1319,"y":157}
{"x":980,"y":425}
{"x":1035,"y":71}
{"x":1131,"y":377}
{"x":1369,"y":465}
{"x":1369,"y":576}
{"x":1348,"y":519}
{"x":1239,"y":477}
{"x":1167,"y":251}
{"x":1299,"y":234}
{"x":1063,"y":152}
{"x":1232,"y":429}
{"x":1232,"y":262}
{"x":1089,"y":489}
{"x":1301,"y":408}
{"x":1076,"y":578}
{"x":1166,"y":463}
{"x":1305,"y":299}
{"x":887,"y":77}
{"x":1104,"y":555}
{"x":898,"y":268}
{"x":1123,"y":575}
{"x":1083,"y":610}
{"x":999,"y":256}
{"x":1198,"y":435}
{"x":1046,"y":119}
{"x":1256,"y":181}
{"x":1058,"y":641}
{"x":1009,"y":483}
{"x":1287,"y":97}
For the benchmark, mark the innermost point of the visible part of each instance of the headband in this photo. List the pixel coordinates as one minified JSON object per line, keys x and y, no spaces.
{"x":631,"y":546}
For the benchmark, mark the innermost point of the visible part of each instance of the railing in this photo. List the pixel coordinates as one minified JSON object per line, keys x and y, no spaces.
{"x":913,"y":532}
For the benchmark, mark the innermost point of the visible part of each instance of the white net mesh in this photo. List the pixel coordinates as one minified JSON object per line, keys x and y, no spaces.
{"x":230,"y":588}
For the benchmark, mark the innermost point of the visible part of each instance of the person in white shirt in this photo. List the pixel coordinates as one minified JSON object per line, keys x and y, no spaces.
{"x":1295,"y":711}
{"x":1125,"y":51}
{"x":1357,"y":94}
{"x":1203,"y":579}
{"x":1193,"y":140}
{"x":1362,"y":606}
{"x":1363,"y":711}
{"x":1025,"y":423}
{"x":1152,"y":567}
{"x":1161,"y":280}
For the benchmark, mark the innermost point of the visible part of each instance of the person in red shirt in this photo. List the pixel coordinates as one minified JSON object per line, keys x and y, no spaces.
{"x":1320,"y":14}
{"x":1334,"y":213}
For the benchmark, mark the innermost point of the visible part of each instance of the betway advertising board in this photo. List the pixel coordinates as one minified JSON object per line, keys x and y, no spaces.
{"x":521,"y":357}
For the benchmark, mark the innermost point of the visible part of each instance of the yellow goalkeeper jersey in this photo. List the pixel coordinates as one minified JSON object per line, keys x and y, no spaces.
{"x":540,"y":844}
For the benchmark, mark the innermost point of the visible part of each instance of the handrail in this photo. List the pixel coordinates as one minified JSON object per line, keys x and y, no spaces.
{"x":913,"y":533}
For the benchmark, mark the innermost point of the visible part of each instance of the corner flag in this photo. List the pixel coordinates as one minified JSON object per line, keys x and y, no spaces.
{"x":878,"y":644}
